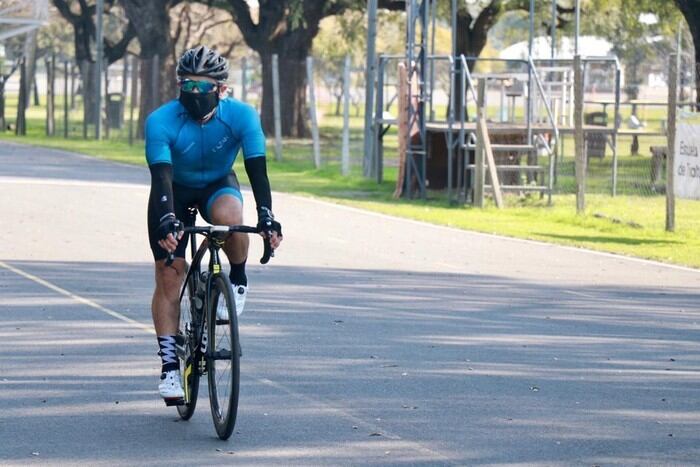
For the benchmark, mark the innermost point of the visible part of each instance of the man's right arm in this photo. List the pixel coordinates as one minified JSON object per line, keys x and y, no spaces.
{"x":161,"y":197}
{"x":160,"y":164}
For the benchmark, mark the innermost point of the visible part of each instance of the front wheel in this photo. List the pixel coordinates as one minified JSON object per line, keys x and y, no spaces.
{"x":223,"y":356}
{"x":186,"y":348}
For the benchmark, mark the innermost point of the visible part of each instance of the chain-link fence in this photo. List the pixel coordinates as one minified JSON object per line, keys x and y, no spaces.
{"x":57,"y":107}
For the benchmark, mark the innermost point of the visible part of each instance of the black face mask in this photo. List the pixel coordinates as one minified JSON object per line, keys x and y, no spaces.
{"x":199,"y":105}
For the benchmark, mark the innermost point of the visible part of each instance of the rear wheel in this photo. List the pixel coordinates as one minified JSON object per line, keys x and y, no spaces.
{"x":187,"y":352}
{"x":223,"y":356}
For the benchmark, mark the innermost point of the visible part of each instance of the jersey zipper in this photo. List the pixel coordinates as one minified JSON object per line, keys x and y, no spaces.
{"x":201,"y":151}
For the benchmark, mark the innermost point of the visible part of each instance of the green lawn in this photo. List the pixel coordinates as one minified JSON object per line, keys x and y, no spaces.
{"x":630,"y":224}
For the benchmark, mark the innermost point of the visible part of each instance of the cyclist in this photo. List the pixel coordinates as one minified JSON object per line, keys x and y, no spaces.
{"x":191,"y":144}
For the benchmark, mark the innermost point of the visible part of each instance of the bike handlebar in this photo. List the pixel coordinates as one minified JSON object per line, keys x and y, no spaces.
{"x":208,"y":230}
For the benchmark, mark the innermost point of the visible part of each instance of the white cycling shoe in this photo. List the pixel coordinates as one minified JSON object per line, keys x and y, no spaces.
{"x":170,"y":388}
{"x":240,"y":292}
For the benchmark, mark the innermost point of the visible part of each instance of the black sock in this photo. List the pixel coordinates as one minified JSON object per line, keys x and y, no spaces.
{"x":237,"y":274}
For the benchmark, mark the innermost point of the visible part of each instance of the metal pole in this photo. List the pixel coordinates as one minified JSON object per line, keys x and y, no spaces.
{"x":98,"y":65}
{"x":125,"y":75}
{"x":134,"y":95}
{"x":50,"y":90}
{"x":578,"y":26}
{"x":453,"y":29}
{"x":312,"y":112}
{"x":72,"y":86}
{"x":671,"y":145}
{"x":433,"y":18}
{"x":616,"y":127}
{"x":479,"y":174}
{"x":378,"y":128}
{"x":370,"y":72}
{"x":578,"y":137}
{"x":21,"y":123}
{"x":554,"y":30}
{"x":276,"y":107}
{"x":106,"y":129}
{"x":65,"y":99}
{"x":155,"y":82}
{"x":345,"y":157}
{"x":532,"y":28}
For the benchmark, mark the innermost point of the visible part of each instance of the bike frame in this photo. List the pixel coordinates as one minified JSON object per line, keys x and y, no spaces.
{"x":212,"y":244}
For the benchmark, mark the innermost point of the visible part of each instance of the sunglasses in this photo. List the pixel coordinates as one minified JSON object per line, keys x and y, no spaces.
{"x":202,"y":87}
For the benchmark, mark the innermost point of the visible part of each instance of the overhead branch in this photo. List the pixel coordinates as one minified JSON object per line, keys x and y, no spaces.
{"x":393,"y":5}
{"x":114,"y":52}
{"x":241,"y":10}
{"x":65,"y":11}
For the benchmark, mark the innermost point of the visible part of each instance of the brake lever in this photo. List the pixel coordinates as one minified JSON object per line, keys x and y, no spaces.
{"x":268,"y":252}
{"x":171,"y":256}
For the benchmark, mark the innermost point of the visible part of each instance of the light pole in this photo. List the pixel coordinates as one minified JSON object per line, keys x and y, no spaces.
{"x":98,"y":67}
{"x":368,"y":162}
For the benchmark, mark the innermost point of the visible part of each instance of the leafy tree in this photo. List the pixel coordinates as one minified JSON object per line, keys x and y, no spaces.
{"x":151,"y":19}
{"x":287,"y":28}
{"x":690,"y":9}
{"x":80,"y":14}
{"x":476,"y":17}
{"x":165,"y":28}
{"x":635,"y":41}
{"x":346,"y":34}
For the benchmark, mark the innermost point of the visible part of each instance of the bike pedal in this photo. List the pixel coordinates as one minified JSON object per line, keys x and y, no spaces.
{"x":174,"y":401}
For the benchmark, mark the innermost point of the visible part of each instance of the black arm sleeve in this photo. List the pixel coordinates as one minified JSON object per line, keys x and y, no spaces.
{"x":161,"y":197}
{"x":256,"y":168}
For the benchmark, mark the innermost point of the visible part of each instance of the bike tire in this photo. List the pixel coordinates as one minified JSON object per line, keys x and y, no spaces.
{"x":188,"y":353}
{"x":223,"y":357}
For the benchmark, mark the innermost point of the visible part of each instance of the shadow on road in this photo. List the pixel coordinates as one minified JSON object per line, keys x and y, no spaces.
{"x":374,"y":366}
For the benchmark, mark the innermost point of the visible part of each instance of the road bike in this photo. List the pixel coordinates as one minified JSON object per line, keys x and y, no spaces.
{"x":207,"y":340}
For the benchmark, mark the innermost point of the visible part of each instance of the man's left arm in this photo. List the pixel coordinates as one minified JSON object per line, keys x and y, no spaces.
{"x":253,"y":143}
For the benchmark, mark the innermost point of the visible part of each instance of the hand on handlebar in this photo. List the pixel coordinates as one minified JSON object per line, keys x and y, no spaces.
{"x":269,"y":227}
{"x":169,"y":232}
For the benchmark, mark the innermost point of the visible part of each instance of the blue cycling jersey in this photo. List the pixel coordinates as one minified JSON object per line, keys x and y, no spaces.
{"x":203,"y":153}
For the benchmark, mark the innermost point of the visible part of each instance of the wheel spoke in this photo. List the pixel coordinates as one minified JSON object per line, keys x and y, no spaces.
{"x":223,"y":361}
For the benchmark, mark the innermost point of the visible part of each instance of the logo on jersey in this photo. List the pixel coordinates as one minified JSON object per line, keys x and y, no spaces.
{"x":220,"y":144}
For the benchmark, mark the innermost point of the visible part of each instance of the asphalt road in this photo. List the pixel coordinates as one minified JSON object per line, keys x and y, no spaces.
{"x":367,"y":341}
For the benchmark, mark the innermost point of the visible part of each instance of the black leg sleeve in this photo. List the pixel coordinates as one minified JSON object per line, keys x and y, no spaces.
{"x":256,"y":168}
{"x":160,"y":200}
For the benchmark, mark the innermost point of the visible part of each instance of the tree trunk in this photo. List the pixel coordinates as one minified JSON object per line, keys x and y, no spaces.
{"x":50,"y":94}
{"x":151,"y":20}
{"x":158,"y":85}
{"x":292,"y":93}
{"x":30,"y":64}
{"x":87,"y":79}
{"x":471,"y":40}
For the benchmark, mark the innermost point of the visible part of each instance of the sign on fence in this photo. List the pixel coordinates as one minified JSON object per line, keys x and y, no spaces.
{"x":686,"y":164}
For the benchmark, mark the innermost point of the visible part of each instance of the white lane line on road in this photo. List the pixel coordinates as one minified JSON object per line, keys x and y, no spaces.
{"x":580,"y":294}
{"x":358,"y":421}
{"x":67,"y":182}
{"x":78,"y":298}
{"x":149,"y":329}
{"x":380,"y":215}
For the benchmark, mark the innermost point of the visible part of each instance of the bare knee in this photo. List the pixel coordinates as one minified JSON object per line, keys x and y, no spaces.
{"x":169,"y":279}
{"x":227,"y":210}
